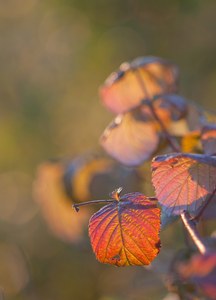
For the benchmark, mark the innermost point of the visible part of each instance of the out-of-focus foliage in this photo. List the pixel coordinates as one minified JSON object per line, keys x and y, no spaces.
{"x":191,"y":142}
{"x":55,"y":204}
{"x":201,"y":270}
{"x":59,"y":184}
{"x":122,"y":90}
{"x":53,"y":56}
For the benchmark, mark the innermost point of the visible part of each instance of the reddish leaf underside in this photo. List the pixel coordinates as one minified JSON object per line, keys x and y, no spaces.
{"x":201,"y":270}
{"x":183,"y":181}
{"x":130,"y":139}
{"x":122,"y":90}
{"x":126,"y":232}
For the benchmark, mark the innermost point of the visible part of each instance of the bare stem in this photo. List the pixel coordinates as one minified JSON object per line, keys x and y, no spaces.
{"x":154,"y":113}
{"x":203,"y":208}
{"x":190,"y":226}
{"x":76,"y":206}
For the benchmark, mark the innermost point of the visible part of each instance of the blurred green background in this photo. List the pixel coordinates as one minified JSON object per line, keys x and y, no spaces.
{"x":53,"y":57}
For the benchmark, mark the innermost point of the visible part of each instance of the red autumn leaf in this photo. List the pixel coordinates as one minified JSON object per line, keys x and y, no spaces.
{"x":126,"y":232}
{"x":123,"y":91}
{"x":183,"y":181}
{"x":201,"y":270}
{"x":208,"y":139}
{"x":131,"y":138}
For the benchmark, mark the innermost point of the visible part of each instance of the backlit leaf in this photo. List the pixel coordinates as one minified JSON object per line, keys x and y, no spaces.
{"x":183,"y":181}
{"x":201,"y":270}
{"x":131,"y":138}
{"x":123,"y":91}
{"x":208,"y":139}
{"x":126,"y":232}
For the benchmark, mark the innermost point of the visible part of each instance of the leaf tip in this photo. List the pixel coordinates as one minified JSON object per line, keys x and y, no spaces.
{"x":116,"y":193}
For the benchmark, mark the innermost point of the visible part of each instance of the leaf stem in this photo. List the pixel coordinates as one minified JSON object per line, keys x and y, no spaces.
{"x":190,"y":225}
{"x":154,"y":113}
{"x":76,"y":206}
{"x":203,"y":208}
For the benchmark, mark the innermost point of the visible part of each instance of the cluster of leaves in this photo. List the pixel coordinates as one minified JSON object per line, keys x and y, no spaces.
{"x":152,"y":119}
{"x":62,"y":182}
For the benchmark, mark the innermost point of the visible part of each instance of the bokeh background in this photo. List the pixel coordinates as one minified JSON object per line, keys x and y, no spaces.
{"x":53,"y":57}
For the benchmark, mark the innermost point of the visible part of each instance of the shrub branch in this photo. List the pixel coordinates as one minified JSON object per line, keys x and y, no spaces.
{"x":190,"y":226}
{"x":141,"y":82}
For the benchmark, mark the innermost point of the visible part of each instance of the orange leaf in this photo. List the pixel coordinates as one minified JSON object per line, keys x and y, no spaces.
{"x":183,"y":181}
{"x":126,"y":232}
{"x":123,"y":91}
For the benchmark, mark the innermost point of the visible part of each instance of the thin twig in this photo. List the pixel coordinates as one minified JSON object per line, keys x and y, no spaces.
{"x":190,"y":225}
{"x":155,"y":115}
{"x":206,"y":204}
{"x":76,"y":206}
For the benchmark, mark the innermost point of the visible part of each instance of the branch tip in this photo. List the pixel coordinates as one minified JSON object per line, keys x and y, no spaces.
{"x":76,"y":207}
